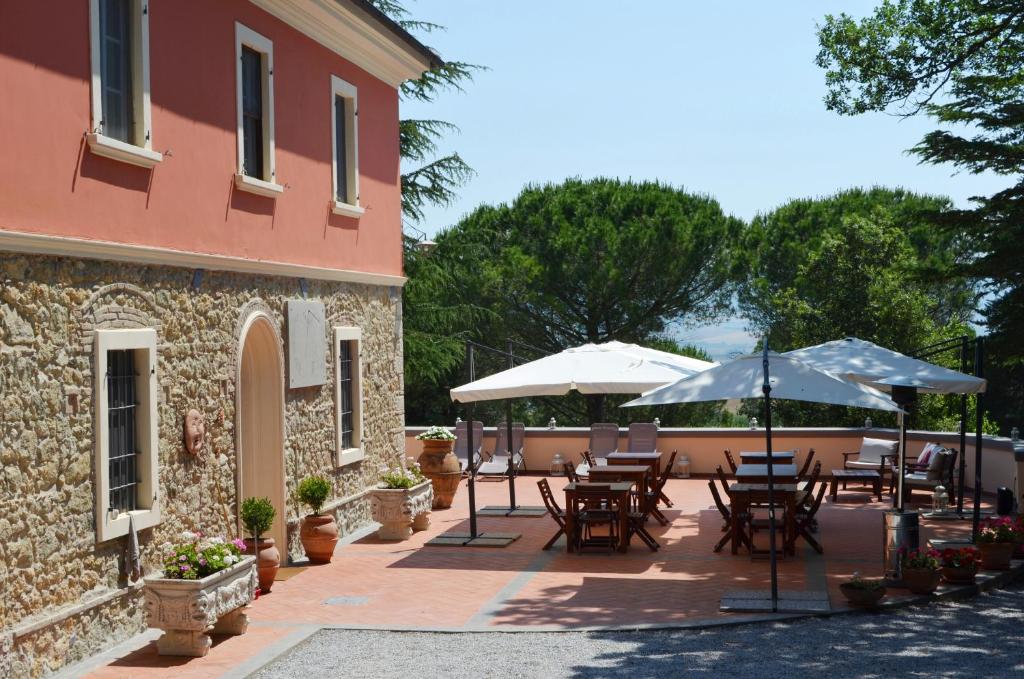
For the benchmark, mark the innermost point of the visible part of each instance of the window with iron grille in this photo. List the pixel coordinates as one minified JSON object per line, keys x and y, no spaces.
{"x":116,"y":69}
{"x":346,"y":393}
{"x":252,"y":113}
{"x":122,"y":411}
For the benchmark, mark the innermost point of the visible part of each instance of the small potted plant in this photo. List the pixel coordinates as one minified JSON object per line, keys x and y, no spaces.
{"x":439,"y":464}
{"x":959,"y":566}
{"x":257,"y":517}
{"x":401,"y":502}
{"x":997,"y":540}
{"x":319,"y":532}
{"x":206,"y":582}
{"x":921,"y":571}
{"x":862,"y":592}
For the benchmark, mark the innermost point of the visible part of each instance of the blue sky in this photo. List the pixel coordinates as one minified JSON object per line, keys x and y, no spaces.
{"x":718,"y":98}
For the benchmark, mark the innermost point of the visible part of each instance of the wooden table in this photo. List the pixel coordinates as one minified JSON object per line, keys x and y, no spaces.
{"x":761,"y":457}
{"x":758,"y":473}
{"x":652,"y":460}
{"x":743,"y":495}
{"x":631,"y":473}
{"x":861,"y":476}
{"x":619,"y":496}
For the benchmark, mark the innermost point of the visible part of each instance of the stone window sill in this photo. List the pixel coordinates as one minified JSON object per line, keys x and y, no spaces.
{"x":116,"y":149}
{"x":350,"y":456}
{"x":116,"y":528}
{"x":261,"y":188}
{"x":347,"y":210}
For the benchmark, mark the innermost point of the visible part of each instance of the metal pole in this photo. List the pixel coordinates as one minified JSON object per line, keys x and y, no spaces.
{"x":963,"y":434}
{"x":470,"y":480}
{"x":902,"y":418}
{"x":766,"y":389}
{"x":511,"y":455}
{"x":979,"y":417}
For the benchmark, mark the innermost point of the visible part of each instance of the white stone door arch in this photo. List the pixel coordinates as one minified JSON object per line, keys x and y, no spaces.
{"x":259,"y":418}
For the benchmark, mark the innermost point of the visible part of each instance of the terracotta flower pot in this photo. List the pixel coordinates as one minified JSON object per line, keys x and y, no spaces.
{"x":439,"y":464}
{"x":959,"y":575}
{"x":995,"y":556}
{"x":858,"y":596}
{"x":268,"y":561}
{"x":921,"y":580}
{"x":319,"y":535}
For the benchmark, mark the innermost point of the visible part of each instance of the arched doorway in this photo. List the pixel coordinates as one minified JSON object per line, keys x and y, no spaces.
{"x":259,"y":434}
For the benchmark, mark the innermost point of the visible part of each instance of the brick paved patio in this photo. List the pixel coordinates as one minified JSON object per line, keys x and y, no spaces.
{"x":407,"y":585}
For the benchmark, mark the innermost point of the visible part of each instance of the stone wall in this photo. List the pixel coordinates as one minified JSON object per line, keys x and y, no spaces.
{"x":51,"y":566}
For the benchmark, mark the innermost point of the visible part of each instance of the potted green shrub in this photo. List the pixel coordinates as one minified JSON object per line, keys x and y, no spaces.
{"x":997,"y":540}
{"x":959,"y":566}
{"x":401,"y":502}
{"x":319,"y":532}
{"x":257,"y":517}
{"x":862,"y":592}
{"x":921,"y":571}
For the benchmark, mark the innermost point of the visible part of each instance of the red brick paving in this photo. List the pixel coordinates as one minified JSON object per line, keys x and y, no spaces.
{"x":408,"y":585}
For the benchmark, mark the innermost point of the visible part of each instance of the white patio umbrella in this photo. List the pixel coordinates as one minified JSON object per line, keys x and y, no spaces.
{"x":863,"y":361}
{"x":609,"y":368}
{"x":768,"y":375}
{"x":885,"y":369}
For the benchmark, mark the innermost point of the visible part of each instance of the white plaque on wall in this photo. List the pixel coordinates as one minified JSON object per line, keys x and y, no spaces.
{"x":307,"y":344}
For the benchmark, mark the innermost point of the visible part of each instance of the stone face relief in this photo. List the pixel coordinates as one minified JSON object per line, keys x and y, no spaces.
{"x":195,"y":432}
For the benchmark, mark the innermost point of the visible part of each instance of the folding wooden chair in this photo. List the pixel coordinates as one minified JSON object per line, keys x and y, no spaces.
{"x":807,"y":465}
{"x":726,"y":513}
{"x":570,"y":472}
{"x":658,"y":492}
{"x":554,"y":511}
{"x":805,"y":522}
{"x":730,"y":460}
{"x":592,"y":507}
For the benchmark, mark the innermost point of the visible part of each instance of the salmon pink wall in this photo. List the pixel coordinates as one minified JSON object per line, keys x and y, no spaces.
{"x":51,"y":183}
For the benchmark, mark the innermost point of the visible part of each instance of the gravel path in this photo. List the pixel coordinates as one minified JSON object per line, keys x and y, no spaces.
{"x":981,"y":637}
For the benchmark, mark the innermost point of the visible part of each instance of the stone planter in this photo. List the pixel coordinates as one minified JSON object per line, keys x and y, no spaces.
{"x":995,"y":556}
{"x":959,"y":575}
{"x":319,"y":535}
{"x":400,"y":511}
{"x":268,"y":561}
{"x":857,"y":596}
{"x":189,"y":610}
{"x":439,"y":464}
{"x":921,"y":580}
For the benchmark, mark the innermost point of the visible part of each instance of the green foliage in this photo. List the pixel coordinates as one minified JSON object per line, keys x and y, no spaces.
{"x":435,"y":179}
{"x":565,"y":264}
{"x":862,"y":264}
{"x":400,"y":478}
{"x":257,"y":515}
{"x":960,"y":62}
{"x":313,"y":491}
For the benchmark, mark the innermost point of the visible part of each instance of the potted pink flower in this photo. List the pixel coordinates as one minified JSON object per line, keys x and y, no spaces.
{"x":997,"y":539}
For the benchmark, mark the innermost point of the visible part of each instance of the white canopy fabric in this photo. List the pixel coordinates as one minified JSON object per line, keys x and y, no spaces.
{"x":882,"y":368}
{"x":789,"y":379}
{"x":609,"y":368}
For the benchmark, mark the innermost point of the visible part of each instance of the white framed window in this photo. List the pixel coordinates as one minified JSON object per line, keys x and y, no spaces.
{"x":119,"y":55}
{"x":348,"y":394}
{"x":345,"y":144}
{"x":254,"y":98}
{"x":126,"y":431}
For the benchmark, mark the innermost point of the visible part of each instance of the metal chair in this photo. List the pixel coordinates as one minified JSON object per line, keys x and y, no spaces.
{"x":643,"y":437}
{"x":462,"y":443}
{"x":604,"y":439}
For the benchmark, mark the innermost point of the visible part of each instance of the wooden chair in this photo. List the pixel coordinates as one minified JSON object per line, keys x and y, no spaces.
{"x":570,"y":472}
{"x":593,"y":508}
{"x":726,"y":513}
{"x":554,"y":511}
{"x":805,"y":489}
{"x":730,"y":460}
{"x":658,"y":491}
{"x":722,"y":476}
{"x":648,"y":502}
{"x":807,"y":465}
{"x":806,"y":521}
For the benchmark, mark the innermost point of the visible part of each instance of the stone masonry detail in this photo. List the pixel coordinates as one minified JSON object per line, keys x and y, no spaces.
{"x":51,"y":566}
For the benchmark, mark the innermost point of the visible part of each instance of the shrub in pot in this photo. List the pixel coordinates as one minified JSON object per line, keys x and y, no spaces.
{"x":862,"y":591}
{"x":921,"y":573}
{"x":997,"y":541}
{"x":959,"y":566}
{"x":257,"y":517}
{"x":319,"y":532}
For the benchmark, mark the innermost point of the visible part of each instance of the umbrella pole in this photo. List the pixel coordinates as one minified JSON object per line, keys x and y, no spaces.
{"x":898,"y":500}
{"x":766,"y":389}
{"x":470,"y":480}
{"x":508,"y":424}
{"x":979,"y":421}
